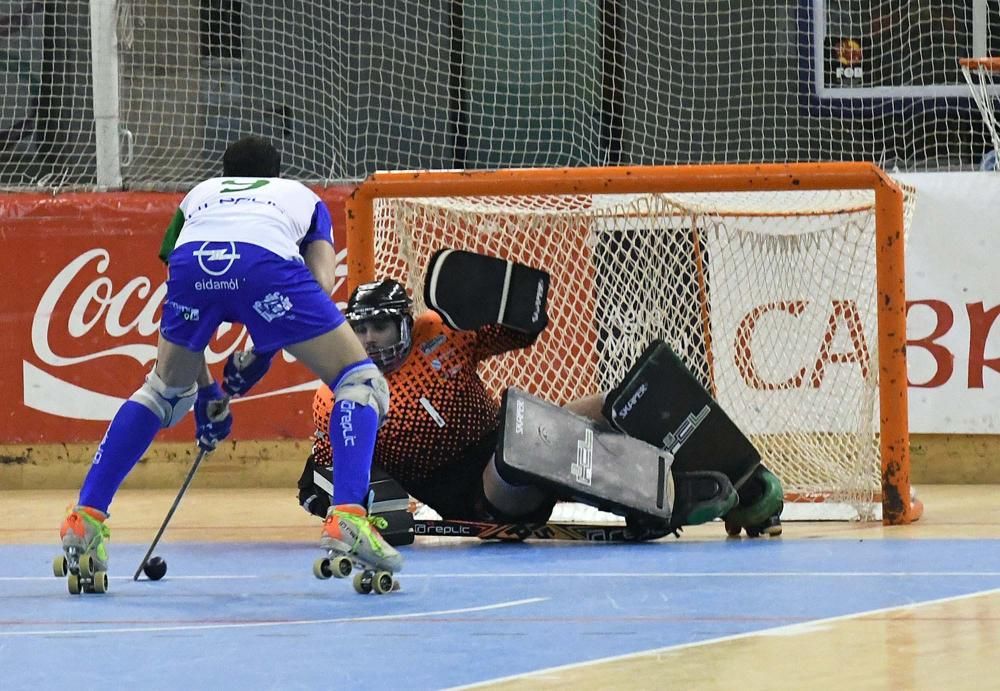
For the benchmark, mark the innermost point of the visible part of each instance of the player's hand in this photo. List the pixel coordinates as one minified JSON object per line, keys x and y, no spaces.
{"x":244,"y":369}
{"x":212,"y":417}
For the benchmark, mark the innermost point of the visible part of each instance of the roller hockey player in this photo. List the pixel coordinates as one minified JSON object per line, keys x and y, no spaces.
{"x":268,"y":240}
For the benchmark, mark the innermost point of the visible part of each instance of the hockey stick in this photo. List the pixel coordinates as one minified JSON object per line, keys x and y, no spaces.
{"x":590,"y":532}
{"x":177,"y":500}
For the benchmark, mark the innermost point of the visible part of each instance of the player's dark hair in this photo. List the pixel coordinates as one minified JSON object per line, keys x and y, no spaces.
{"x":251,"y":157}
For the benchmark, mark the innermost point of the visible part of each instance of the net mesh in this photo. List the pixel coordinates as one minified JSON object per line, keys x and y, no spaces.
{"x":769,"y":299}
{"x":980,"y":76}
{"x":347,"y":88}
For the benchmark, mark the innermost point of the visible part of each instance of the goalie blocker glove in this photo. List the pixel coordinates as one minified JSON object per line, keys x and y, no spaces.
{"x":471,"y":290}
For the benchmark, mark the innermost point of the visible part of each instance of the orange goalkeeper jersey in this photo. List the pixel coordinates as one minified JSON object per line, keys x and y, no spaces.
{"x":439,"y":407}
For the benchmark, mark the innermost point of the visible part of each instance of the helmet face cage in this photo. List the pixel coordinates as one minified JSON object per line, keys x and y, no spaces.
{"x":381,"y":300}
{"x":391,"y":358}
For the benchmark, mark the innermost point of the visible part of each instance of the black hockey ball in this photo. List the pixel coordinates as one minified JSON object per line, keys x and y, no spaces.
{"x":155,"y":568}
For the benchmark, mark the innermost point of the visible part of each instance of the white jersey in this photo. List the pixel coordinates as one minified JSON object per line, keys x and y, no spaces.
{"x":273,"y":213}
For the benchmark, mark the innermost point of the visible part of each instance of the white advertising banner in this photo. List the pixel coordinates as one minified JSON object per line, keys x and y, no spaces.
{"x":953,"y":294}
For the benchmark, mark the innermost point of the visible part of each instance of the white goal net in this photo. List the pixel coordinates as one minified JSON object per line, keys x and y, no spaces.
{"x":769,"y":298}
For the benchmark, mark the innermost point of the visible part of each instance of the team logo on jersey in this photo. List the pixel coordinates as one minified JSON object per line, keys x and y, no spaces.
{"x":273,"y":306}
{"x":430,"y":346}
{"x":188,"y":314}
{"x":216,"y":258}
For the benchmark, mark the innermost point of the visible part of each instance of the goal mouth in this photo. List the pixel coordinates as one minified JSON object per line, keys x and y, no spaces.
{"x":799,"y":507}
{"x":781,"y":287}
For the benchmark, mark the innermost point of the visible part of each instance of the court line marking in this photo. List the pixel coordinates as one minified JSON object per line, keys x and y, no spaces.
{"x":207,"y":577}
{"x":268,"y":624}
{"x":605,"y":574}
{"x":707,"y":574}
{"x":784,"y":630}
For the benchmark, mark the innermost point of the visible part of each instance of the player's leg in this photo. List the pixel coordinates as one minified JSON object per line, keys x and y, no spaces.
{"x":285,"y":308}
{"x":190,"y":317}
{"x":361,"y":400}
{"x":511,"y":502}
{"x":660,"y":402}
{"x":587,"y":461}
{"x":699,"y":495}
{"x":544,"y":445}
{"x":163,"y":399}
{"x":386,"y":498}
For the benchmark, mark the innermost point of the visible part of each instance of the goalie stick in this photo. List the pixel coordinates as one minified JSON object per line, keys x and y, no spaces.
{"x":589,"y":532}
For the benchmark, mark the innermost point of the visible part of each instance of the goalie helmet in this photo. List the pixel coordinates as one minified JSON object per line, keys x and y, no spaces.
{"x":379,"y":300}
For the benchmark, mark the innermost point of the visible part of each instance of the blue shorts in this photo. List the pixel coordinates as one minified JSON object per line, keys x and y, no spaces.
{"x":276,"y":299}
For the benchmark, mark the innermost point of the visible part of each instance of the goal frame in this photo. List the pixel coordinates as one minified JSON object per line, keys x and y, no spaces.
{"x":897,"y":505}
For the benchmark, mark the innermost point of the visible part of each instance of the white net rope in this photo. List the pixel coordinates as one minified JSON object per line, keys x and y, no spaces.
{"x":769,"y":298}
{"x":348,"y":88}
{"x":981,"y":79}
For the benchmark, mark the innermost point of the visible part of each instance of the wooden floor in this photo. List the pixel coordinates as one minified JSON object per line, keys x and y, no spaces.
{"x":948,"y":644}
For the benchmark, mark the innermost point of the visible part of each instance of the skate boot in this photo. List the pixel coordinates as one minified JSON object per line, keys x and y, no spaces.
{"x":351,"y":539}
{"x":701,"y":496}
{"x":759,"y":511}
{"x":85,"y":560}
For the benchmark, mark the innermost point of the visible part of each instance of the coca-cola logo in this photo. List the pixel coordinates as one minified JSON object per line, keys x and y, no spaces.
{"x":83,"y":305}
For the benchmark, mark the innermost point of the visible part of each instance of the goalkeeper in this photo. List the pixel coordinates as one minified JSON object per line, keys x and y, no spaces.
{"x":439,"y":439}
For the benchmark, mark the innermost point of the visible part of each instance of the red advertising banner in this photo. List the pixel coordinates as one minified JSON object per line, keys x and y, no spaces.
{"x":82,"y":292}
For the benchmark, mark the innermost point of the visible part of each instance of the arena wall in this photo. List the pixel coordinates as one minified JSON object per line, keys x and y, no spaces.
{"x":81,"y":307}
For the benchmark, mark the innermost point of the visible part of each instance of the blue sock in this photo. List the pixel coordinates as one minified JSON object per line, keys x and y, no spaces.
{"x":352,"y":439}
{"x":129,"y":435}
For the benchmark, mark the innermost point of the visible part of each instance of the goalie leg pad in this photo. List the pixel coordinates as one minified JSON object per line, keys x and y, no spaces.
{"x":542,"y":444}
{"x":471,"y":290}
{"x":761,"y":503}
{"x":660,"y":402}
{"x":386,"y":498}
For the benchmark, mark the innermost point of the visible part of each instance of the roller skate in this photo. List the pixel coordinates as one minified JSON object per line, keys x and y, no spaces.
{"x":701,"y":496}
{"x":760,"y":512}
{"x":352,"y":540}
{"x":85,"y":560}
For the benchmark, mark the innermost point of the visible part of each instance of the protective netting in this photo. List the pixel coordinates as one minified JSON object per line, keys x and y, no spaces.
{"x":981,"y":76}
{"x":347,"y":88}
{"x":769,"y":298}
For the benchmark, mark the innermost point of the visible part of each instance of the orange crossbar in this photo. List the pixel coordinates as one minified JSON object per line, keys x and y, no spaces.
{"x":897,"y":507}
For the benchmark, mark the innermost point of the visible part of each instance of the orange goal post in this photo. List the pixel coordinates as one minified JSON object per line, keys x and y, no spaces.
{"x":781,"y":286}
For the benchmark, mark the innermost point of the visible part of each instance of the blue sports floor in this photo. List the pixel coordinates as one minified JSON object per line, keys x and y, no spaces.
{"x":254,"y":617}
